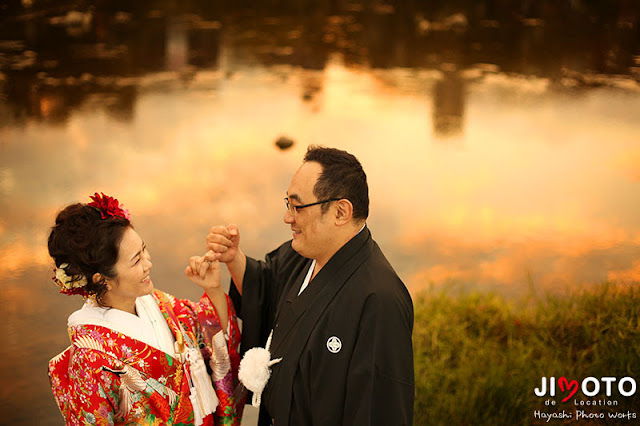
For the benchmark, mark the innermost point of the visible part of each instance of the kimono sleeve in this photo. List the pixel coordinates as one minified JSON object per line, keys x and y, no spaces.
{"x":380,"y":382}
{"x":85,"y":393}
{"x":221,"y":355}
{"x":203,"y":321}
{"x":262,"y":285}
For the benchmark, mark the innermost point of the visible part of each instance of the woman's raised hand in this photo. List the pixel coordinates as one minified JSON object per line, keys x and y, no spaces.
{"x":204,"y":271}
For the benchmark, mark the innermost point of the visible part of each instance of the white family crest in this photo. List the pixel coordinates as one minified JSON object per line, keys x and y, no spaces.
{"x":334,"y":344}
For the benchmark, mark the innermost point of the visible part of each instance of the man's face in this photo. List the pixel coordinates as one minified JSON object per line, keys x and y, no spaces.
{"x":312,"y":230}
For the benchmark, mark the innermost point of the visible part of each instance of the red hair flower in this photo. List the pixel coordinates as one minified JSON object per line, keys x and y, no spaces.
{"x":108,"y":206}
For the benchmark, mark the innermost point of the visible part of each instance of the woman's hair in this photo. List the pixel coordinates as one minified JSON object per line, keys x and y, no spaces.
{"x":88,"y":244}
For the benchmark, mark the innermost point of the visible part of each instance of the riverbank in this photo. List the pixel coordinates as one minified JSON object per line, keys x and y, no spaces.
{"x":483,"y":359}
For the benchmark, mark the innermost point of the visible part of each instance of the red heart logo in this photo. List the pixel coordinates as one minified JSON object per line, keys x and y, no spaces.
{"x":563,"y":382}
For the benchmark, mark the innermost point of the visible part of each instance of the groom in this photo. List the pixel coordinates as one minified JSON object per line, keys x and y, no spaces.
{"x":341,"y":317}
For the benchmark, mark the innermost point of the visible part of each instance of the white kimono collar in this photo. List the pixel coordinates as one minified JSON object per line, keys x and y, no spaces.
{"x":149,"y":326}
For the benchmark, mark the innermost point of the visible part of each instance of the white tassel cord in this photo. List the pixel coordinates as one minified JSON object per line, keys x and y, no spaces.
{"x":255,"y":370}
{"x":195,"y":404}
{"x":201,"y":394}
{"x":206,"y":396}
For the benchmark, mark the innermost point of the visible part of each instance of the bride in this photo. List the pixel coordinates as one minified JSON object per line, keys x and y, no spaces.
{"x":139,"y":355}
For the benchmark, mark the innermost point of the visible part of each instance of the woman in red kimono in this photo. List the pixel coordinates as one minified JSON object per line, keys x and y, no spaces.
{"x":138,"y":355}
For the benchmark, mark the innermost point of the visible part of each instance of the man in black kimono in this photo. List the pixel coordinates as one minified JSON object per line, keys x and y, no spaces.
{"x":341,"y":317}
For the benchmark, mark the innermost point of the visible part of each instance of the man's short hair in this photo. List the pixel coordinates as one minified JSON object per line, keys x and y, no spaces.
{"x":342,"y":177}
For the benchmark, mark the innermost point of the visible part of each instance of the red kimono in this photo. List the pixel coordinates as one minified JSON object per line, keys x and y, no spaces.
{"x":108,"y":378}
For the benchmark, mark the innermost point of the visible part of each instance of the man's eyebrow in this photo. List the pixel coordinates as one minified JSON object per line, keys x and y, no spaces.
{"x":294,"y":197}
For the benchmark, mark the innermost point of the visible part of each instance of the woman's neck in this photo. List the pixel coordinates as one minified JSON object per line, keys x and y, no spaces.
{"x":126,"y":305}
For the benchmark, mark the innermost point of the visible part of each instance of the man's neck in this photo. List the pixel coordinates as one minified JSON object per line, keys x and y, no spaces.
{"x":340,"y":241}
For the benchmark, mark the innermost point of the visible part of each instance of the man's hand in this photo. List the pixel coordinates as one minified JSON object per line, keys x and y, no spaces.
{"x":224,"y":241}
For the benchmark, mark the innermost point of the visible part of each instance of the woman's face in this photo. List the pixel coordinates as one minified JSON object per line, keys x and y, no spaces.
{"x":132,"y":278}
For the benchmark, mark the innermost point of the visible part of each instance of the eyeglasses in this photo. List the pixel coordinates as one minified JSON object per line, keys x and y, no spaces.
{"x":294,"y":209}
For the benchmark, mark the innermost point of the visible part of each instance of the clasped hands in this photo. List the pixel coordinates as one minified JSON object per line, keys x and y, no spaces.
{"x":222,"y":246}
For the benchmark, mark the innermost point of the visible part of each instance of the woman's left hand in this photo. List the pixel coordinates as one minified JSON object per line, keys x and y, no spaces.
{"x":204,"y":271}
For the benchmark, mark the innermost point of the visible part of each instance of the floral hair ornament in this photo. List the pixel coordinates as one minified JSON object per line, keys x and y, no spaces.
{"x":108,"y":206}
{"x":70,"y":284}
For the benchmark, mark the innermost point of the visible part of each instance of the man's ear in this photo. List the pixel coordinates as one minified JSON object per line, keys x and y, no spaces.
{"x":344,"y":211}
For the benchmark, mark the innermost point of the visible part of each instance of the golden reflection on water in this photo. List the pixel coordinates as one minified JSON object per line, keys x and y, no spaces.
{"x":538,"y":185}
{"x":529,"y":187}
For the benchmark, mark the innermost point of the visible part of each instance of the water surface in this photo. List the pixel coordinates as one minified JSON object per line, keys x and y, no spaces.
{"x":501,"y":154}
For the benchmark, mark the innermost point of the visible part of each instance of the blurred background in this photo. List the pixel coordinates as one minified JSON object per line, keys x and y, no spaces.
{"x":501,"y":140}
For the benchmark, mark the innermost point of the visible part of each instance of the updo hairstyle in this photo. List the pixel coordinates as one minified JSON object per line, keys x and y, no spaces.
{"x":88,"y":244}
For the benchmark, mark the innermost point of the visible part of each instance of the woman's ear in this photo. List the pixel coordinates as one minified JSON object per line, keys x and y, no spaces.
{"x":344,"y":211}
{"x":98,"y":278}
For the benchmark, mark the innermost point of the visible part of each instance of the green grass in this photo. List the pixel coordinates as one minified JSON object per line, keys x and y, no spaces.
{"x":478,"y":357}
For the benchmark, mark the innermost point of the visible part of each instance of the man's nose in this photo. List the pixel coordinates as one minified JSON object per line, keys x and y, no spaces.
{"x":288,"y":217}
